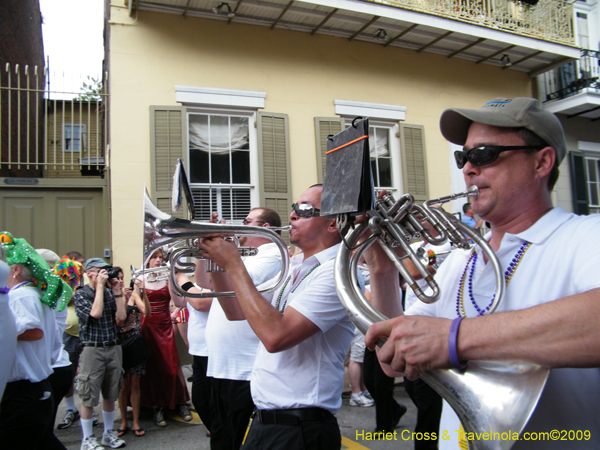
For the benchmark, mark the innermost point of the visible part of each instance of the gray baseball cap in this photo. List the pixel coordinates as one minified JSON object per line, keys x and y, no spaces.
{"x":519,"y":112}
{"x":95,"y":262}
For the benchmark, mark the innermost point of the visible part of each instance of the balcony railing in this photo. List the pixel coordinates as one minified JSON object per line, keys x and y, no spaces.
{"x":575,"y":77}
{"x":45,"y":137}
{"x":549,"y":20}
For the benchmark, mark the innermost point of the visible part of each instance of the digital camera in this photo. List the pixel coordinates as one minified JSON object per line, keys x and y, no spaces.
{"x":112,"y":272}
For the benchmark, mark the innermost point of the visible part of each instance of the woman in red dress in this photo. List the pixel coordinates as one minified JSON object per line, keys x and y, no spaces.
{"x":163,"y":386}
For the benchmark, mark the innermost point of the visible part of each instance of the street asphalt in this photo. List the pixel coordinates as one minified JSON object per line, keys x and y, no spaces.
{"x":355,"y":424}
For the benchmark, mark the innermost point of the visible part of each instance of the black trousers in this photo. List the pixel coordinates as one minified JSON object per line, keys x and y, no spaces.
{"x":61,"y":381}
{"x":321,"y":435}
{"x":25,"y":415}
{"x":381,"y":388}
{"x":201,"y":391}
{"x":429,"y":411}
{"x":233,"y":406}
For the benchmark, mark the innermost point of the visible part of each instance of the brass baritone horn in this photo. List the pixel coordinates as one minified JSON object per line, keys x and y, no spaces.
{"x":161,"y":229}
{"x":497,"y":397}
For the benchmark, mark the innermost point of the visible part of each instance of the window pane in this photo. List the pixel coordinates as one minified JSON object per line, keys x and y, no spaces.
{"x":239,"y":133}
{"x":385,"y":172}
{"x":592,"y":175}
{"x":378,"y":142}
{"x":240,"y":167}
{"x":198,"y":129}
{"x":379,"y":151}
{"x":219,"y":168}
{"x":594,"y":194}
{"x":198,"y":166}
{"x":219,"y":133}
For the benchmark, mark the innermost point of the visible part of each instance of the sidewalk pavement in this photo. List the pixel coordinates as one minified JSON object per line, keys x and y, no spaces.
{"x":180,"y":435}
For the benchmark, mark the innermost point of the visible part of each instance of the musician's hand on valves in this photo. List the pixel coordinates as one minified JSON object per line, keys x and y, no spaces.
{"x":222,"y":252}
{"x":414,"y":344}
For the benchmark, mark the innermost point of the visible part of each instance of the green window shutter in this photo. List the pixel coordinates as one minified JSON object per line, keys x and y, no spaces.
{"x":414,"y":163}
{"x":167,"y":142}
{"x":324,"y":126}
{"x":579,"y":184}
{"x":274,"y":164}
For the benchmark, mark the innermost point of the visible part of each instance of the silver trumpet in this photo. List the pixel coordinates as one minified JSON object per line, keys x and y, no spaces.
{"x":488,"y":396}
{"x":180,"y":239}
{"x":155,"y":274}
{"x":152,"y":275}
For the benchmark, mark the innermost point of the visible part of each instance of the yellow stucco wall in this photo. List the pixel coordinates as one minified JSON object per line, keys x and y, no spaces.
{"x":301,"y":74}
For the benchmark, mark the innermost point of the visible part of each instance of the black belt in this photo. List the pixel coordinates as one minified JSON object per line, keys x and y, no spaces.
{"x":101,"y":344}
{"x":292,"y":416}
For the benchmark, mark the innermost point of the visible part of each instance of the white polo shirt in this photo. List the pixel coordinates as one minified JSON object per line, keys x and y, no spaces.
{"x":311,"y":373}
{"x":232,"y":344}
{"x":563,"y":260}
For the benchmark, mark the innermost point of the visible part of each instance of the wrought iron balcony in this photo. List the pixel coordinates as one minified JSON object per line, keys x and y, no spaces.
{"x":549,"y":20}
{"x":574,"y":77}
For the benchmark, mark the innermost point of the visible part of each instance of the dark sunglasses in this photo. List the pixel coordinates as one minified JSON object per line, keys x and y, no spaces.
{"x":485,"y":154}
{"x":305,"y":211}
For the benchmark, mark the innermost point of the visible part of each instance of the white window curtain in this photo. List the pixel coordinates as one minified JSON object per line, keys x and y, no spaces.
{"x":218,"y":140}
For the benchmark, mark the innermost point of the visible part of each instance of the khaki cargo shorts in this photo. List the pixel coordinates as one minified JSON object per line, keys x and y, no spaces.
{"x":100,"y":370}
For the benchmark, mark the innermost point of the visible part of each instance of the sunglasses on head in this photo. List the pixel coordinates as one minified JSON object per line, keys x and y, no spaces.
{"x":485,"y":154}
{"x":305,"y":211}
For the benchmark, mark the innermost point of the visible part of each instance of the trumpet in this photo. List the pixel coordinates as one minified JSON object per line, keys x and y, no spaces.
{"x":473,"y":393}
{"x":180,"y":238}
{"x":154,"y":274}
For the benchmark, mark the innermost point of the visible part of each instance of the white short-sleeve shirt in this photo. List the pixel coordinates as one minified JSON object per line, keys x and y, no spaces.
{"x":232,"y":344}
{"x":311,"y":373}
{"x":33,"y":359}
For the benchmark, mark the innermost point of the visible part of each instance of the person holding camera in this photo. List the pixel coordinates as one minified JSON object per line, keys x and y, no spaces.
{"x":100,"y":363}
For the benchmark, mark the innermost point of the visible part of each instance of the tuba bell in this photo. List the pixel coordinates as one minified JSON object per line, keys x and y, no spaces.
{"x":496,"y":397}
{"x":179,"y":237}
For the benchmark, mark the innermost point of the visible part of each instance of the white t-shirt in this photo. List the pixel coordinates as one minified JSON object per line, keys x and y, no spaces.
{"x":563,"y":260}
{"x":311,"y":373}
{"x":232,"y":344}
{"x":196,"y":331}
{"x":33,"y":359}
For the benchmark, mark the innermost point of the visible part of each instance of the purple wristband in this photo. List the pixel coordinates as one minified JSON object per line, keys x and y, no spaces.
{"x":452,"y":344}
{"x":4,"y":290}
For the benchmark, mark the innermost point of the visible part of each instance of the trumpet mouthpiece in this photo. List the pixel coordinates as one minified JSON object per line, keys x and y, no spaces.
{"x":473,"y":191}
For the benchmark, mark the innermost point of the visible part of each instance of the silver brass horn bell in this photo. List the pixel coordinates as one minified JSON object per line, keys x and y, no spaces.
{"x":488,"y":396}
{"x":161,"y":229}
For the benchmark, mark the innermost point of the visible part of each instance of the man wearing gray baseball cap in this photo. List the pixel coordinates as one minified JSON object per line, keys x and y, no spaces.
{"x":99,"y":305}
{"x":511,"y":151}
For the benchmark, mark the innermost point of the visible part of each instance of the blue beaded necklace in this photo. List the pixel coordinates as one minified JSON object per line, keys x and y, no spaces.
{"x":510,"y":271}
